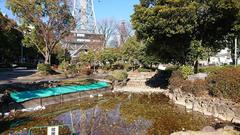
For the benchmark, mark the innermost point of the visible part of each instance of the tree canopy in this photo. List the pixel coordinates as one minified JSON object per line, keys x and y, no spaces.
{"x":169,"y":27}
{"x":44,"y":23}
{"x":10,"y":40}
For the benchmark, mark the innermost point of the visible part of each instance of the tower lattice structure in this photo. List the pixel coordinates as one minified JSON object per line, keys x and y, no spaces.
{"x":85,"y":35}
{"x":83,"y":12}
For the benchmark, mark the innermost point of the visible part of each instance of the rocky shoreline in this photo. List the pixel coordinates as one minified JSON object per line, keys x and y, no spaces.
{"x":220,"y":108}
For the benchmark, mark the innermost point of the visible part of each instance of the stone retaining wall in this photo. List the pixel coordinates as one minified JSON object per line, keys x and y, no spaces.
{"x":219,"y":108}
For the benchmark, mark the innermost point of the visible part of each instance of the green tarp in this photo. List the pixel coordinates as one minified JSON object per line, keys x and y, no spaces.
{"x":41,"y":93}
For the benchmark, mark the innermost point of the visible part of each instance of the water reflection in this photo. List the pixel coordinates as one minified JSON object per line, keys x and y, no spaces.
{"x":138,"y":114}
{"x":97,"y":121}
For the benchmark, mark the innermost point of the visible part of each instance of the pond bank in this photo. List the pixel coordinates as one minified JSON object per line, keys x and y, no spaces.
{"x":220,"y":108}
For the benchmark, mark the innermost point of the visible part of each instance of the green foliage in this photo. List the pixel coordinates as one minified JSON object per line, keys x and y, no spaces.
{"x":186,"y":70}
{"x":44,"y":69}
{"x":63,"y":65}
{"x":119,"y":75}
{"x":131,"y":50}
{"x":87,"y":57}
{"x":110,"y":55}
{"x":45,"y":23}
{"x":141,"y":69}
{"x":10,"y":40}
{"x":63,"y":55}
{"x":225,"y":83}
{"x":136,"y":53}
{"x":210,"y":69}
{"x":128,"y":67}
{"x":173,"y":29}
{"x":68,"y":69}
{"x":196,"y":52}
{"x":118,"y":66}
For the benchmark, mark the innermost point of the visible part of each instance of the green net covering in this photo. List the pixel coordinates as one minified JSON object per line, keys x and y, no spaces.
{"x":41,"y":93}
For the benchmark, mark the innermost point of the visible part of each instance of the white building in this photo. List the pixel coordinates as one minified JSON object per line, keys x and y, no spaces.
{"x":221,"y":58}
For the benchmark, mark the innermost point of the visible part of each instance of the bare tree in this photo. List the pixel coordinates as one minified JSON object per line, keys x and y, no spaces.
{"x":107,"y":27}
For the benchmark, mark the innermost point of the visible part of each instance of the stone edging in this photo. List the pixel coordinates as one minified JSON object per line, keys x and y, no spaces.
{"x":219,"y":108}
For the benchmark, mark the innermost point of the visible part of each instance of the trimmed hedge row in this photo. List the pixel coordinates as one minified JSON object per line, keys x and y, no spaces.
{"x":225,"y":83}
{"x":222,"y":83}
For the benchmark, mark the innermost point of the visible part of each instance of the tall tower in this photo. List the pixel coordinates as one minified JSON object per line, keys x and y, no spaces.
{"x":85,"y":35}
{"x":83,"y":12}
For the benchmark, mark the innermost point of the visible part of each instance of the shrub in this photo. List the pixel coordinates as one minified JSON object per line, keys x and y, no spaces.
{"x":197,"y":87}
{"x":119,"y":75}
{"x":186,"y":71}
{"x":106,"y":67}
{"x":71,"y":69}
{"x":128,"y":67}
{"x":176,"y":80}
{"x":118,"y":66}
{"x":210,"y":69}
{"x":86,"y":71}
{"x":141,"y":69}
{"x":63,"y":66}
{"x":225,"y":83}
{"x":44,"y":69}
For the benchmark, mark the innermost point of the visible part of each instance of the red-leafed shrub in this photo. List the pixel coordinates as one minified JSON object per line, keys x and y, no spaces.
{"x":197,"y":87}
{"x":176,"y":80}
{"x":225,"y":83}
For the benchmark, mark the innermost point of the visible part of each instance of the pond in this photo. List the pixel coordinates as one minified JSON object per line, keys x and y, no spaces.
{"x":120,"y":114}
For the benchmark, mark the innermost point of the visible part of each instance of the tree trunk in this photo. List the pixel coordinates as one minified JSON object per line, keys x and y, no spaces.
{"x":47,"y":58}
{"x":196,"y":67}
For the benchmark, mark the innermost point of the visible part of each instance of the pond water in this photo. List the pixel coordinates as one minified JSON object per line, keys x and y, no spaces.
{"x":124,"y":114}
{"x":128,"y":114}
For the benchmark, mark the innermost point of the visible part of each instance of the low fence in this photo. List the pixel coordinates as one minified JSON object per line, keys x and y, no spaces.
{"x":63,"y":98}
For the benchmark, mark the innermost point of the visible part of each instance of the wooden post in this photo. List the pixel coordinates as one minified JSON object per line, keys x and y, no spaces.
{"x":79,"y":96}
{"x":235,"y":52}
{"x":41,"y":102}
{"x":61,"y":98}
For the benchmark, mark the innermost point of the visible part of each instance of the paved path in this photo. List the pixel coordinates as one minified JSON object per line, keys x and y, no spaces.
{"x":11,"y":76}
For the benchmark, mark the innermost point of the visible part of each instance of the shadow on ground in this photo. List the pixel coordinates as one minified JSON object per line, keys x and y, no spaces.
{"x":6,"y":124}
{"x":160,"y":79}
{"x":9,"y":75}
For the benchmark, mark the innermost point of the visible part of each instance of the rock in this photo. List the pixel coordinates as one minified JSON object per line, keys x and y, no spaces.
{"x":208,"y":129}
{"x":228,"y":128}
{"x":219,"y":108}
{"x":201,"y":76}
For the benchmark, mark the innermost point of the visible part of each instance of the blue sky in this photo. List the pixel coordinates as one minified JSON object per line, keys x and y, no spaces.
{"x":116,"y":9}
